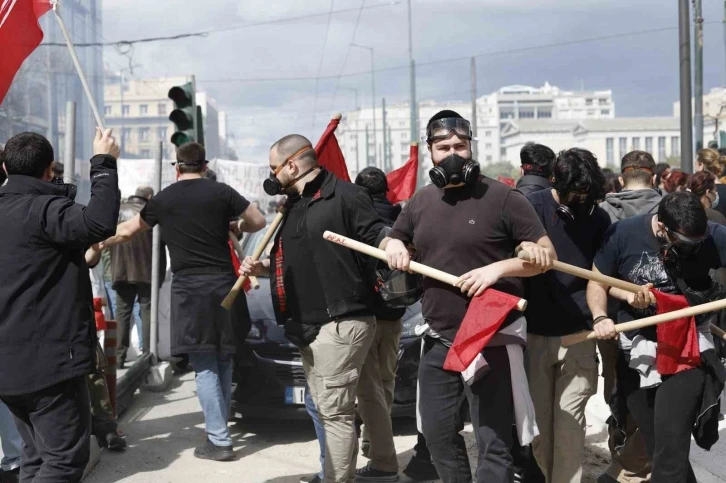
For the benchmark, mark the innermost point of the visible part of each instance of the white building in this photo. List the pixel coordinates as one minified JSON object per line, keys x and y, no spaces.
{"x":608,"y":139}
{"x":361,"y":147}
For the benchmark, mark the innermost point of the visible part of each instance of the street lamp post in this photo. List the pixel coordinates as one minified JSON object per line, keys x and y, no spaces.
{"x":373,"y":99}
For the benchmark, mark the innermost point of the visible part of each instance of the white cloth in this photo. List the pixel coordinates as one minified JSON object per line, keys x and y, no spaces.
{"x":524,"y":415}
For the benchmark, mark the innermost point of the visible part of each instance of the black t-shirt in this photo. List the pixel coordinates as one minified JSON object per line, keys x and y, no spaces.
{"x":631,"y":251}
{"x":194,"y":216}
{"x":459,"y":229}
{"x":305,"y":295}
{"x":556,"y":300}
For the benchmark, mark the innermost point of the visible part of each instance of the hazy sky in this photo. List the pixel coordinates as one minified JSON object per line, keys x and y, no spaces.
{"x":642,"y":70}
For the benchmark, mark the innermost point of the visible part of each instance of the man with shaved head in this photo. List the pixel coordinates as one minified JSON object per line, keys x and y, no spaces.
{"x":321,"y":293}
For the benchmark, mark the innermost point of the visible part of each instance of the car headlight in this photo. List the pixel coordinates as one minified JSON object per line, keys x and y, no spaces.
{"x":255,"y":333}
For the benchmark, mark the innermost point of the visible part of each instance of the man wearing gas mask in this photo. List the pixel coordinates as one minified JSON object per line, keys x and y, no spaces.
{"x":47,"y":325}
{"x":462,"y":222}
{"x":668,"y":377}
{"x":562,"y":379}
{"x":322,"y":295}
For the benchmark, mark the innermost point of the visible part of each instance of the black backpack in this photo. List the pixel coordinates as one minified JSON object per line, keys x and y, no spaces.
{"x":396,"y":289}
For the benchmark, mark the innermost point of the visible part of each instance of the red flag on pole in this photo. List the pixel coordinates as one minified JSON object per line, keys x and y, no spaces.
{"x":485,"y":315}
{"x":402,"y":181}
{"x":328,"y":151}
{"x":20,"y":34}
{"x":678,"y":339}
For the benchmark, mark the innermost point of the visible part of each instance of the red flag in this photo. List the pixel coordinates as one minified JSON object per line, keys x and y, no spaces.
{"x":236,"y":263}
{"x":506,"y":181}
{"x":402,"y":181}
{"x":485,"y":315}
{"x":678,"y":348}
{"x":328,"y":151}
{"x":20,"y":34}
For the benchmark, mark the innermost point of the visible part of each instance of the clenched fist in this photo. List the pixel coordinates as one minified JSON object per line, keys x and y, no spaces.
{"x":104,"y":143}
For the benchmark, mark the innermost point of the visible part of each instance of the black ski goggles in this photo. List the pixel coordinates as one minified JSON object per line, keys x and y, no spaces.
{"x":442,"y":129}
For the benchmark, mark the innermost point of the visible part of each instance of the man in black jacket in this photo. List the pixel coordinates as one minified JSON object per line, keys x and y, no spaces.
{"x":320,"y":291}
{"x":47,"y":325}
{"x":537,"y":161}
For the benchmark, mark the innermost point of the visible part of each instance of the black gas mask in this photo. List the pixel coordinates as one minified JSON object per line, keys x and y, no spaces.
{"x":454,"y":170}
{"x":575,"y":205}
{"x":676,"y":248}
{"x":69,"y":190}
{"x":274,"y":186}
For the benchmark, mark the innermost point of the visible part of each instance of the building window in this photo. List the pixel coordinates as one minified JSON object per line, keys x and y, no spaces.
{"x":605,"y":112}
{"x":610,"y":148}
{"x":636,"y":144}
{"x":145,"y":153}
{"x":526,"y":113}
{"x":107,"y":110}
{"x":489,"y":158}
{"x":161,"y":107}
{"x":588,"y":102}
{"x":143,"y":109}
{"x":649,"y":145}
{"x":404,"y":136}
{"x":352,"y":137}
{"x":487,"y":134}
{"x":125,"y":110}
{"x":144,"y":133}
{"x":162,"y":133}
{"x":127,"y":134}
{"x":675,"y":146}
{"x":506,"y":113}
{"x":661,"y":148}
{"x":488,"y":146}
{"x":623,"y":145}
{"x":544,"y":113}
{"x":503,"y":152}
{"x":603,"y":101}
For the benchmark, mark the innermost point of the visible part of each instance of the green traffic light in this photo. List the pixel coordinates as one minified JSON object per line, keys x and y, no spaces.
{"x":183,"y":115}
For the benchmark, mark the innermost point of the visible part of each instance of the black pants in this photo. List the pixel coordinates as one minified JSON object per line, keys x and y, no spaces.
{"x":666,"y":415}
{"x":55,"y":424}
{"x":126,"y":295}
{"x":492,"y":414}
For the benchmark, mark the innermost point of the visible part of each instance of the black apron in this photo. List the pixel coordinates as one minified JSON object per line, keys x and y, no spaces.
{"x":199,"y":323}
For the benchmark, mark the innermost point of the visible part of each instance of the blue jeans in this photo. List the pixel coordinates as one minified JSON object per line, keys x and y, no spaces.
{"x":319,"y":431}
{"x":10,"y":440}
{"x":214,"y":389}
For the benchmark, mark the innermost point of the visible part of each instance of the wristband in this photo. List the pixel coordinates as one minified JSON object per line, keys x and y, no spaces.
{"x":598,"y":319}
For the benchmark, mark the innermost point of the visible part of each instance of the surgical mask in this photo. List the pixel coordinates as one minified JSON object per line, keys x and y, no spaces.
{"x":454,"y":170}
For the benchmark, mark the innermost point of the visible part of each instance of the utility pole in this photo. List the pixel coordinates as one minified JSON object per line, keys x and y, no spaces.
{"x":724,"y":26}
{"x":122,"y":145}
{"x":684,"y":38}
{"x":69,"y":169}
{"x":155,"y":262}
{"x":412,"y":80}
{"x":698,"y":111}
{"x":386,"y":139}
{"x":474,"y":144}
{"x":368,"y":147}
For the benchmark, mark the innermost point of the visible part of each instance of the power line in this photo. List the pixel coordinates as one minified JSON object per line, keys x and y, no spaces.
{"x":205,"y":33}
{"x":347,"y":54}
{"x":455,"y":59}
{"x":322,"y":57}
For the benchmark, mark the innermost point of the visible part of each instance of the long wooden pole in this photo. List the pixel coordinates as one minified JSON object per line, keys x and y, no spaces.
{"x":416,"y":267}
{"x":232,"y":295}
{"x":240,"y":254}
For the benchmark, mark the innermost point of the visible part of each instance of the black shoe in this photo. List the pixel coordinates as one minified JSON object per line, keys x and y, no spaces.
{"x":605,"y":478}
{"x":112,"y":441}
{"x":372,"y":475}
{"x":311,"y":479}
{"x":211,"y":451}
{"x":12,"y":476}
{"x":420,"y":469}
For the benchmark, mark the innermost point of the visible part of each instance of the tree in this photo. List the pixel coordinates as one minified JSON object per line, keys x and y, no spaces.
{"x":501,"y":168}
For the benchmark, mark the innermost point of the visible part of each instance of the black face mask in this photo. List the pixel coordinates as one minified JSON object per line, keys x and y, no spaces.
{"x":575,"y":207}
{"x":454,"y":170}
{"x":674,"y":253}
{"x":274,"y":186}
{"x":70,"y":190}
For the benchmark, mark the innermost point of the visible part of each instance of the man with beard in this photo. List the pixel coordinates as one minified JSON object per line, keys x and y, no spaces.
{"x":322,"y":294}
{"x":194,"y":215}
{"x":668,"y":392}
{"x":462,"y":222}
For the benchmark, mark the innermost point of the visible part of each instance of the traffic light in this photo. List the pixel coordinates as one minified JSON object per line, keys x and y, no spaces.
{"x":186,"y":116}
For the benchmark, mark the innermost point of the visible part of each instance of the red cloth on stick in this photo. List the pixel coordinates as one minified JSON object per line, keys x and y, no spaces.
{"x":402,"y":181}
{"x":329,"y":154}
{"x":98,"y":313}
{"x":236,"y":263}
{"x":20,"y":34}
{"x":678,"y":339}
{"x":485,"y":315}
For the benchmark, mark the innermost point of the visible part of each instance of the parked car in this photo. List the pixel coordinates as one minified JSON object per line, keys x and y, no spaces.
{"x":270,"y":381}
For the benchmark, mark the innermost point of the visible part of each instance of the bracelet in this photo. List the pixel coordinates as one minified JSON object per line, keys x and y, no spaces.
{"x":598,"y":319}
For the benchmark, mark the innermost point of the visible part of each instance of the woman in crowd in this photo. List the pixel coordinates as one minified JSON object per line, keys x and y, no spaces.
{"x":713,"y":162}
{"x":675,"y":181}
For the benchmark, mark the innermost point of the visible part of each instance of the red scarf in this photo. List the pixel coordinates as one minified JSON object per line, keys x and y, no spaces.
{"x":678,"y":348}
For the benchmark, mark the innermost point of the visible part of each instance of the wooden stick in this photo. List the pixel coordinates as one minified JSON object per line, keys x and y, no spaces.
{"x":414,"y":266}
{"x":232,"y":295}
{"x":604,"y":279}
{"x":238,"y":248}
{"x":715,"y":306}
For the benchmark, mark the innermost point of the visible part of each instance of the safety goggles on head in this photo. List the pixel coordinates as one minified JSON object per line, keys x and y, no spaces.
{"x":682,"y":241}
{"x":442,"y":129}
{"x":182,"y":163}
{"x":574,"y":197}
{"x":294,"y":155}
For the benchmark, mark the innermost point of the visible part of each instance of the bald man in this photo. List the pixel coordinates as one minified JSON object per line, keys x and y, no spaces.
{"x":321,"y":293}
